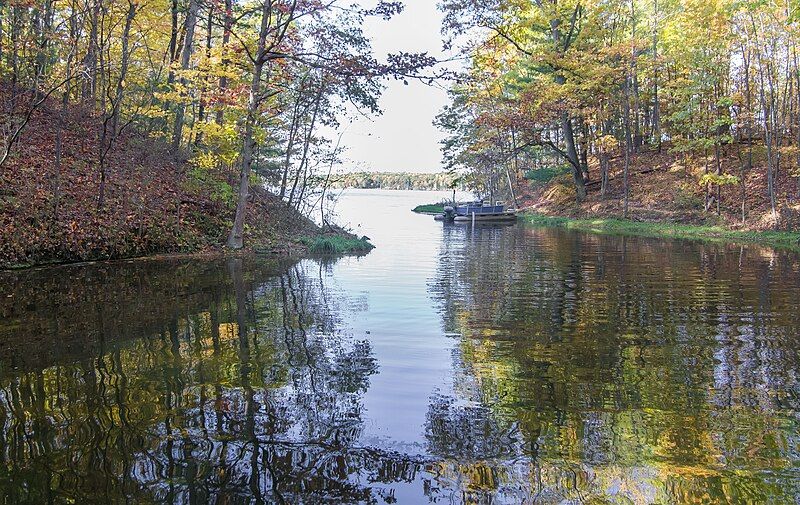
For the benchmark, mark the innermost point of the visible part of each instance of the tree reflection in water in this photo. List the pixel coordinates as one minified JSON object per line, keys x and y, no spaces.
{"x":618,"y":368}
{"x":584,"y":368}
{"x":185,"y":382}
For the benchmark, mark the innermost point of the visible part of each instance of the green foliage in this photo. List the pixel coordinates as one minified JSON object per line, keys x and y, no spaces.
{"x":203,"y":180}
{"x":337,"y":244}
{"x":544,"y":175}
{"x":719,"y":179}
{"x":430,"y":208}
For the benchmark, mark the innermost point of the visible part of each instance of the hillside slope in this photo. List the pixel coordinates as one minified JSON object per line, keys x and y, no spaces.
{"x":666,"y":187}
{"x":155,"y":201}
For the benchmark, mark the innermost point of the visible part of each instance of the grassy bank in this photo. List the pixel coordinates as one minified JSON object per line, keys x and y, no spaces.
{"x":780,"y":239}
{"x":337,"y":244}
{"x":431,"y":208}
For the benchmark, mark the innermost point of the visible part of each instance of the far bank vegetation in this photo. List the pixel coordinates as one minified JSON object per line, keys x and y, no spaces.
{"x":397,"y":180}
{"x":642,"y":109}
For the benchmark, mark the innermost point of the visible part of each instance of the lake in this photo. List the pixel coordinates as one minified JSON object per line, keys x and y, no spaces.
{"x":452,"y":364}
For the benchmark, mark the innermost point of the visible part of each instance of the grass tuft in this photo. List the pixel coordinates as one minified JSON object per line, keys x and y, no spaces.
{"x":337,"y":244}
{"x":779,"y":239}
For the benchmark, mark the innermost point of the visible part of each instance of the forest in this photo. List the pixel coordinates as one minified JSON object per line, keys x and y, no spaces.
{"x":136,"y":127}
{"x":149,"y":126}
{"x":647,"y":109}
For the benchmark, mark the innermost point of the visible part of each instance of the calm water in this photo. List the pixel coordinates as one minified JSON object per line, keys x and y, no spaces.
{"x":451,"y":365}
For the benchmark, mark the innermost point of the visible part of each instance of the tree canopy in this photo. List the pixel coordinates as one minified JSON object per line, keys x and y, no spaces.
{"x":565,"y":82}
{"x":238,"y":89}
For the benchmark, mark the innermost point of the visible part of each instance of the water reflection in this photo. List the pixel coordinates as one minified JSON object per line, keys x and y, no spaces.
{"x":655,"y":371}
{"x":201,"y":383}
{"x":583,"y":368}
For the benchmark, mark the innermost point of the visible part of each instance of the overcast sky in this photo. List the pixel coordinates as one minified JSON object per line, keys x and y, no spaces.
{"x":403,"y":138}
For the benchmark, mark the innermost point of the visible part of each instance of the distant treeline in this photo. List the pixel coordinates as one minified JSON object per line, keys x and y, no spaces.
{"x":394,"y":180}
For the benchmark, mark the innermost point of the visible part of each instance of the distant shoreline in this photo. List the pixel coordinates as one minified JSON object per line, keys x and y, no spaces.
{"x":438,"y":181}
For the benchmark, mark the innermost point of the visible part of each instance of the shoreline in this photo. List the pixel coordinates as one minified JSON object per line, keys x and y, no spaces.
{"x":304,"y":247}
{"x":786,"y":240}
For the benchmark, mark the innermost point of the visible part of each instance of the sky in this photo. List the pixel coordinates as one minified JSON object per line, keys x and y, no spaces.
{"x":403,"y":138}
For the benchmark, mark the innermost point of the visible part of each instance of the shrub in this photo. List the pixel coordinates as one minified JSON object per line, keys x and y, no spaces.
{"x":540,"y":176}
{"x":686,"y":200}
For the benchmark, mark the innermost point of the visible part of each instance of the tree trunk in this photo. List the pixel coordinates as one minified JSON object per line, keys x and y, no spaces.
{"x":584,"y":152}
{"x":634,"y":81}
{"x":749,"y":127}
{"x":226,"y":35}
{"x":201,"y":111}
{"x":572,"y":155}
{"x":73,"y":35}
{"x":111,"y":123}
{"x":604,"y":162}
{"x":626,"y":114}
{"x":293,"y":128}
{"x":566,"y":122}
{"x":718,"y":162}
{"x":173,"y":38}
{"x":43,"y":28}
{"x":186,"y":54}
{"x":656,"y":105}
{"x":2,"y":35}
{"x":236,"y":236}
{"x":797,"y":120}
{"x":307,"y":142}
{"x":89,"y":88}
{"x":707,"y":186}
{"x":767,"y":111}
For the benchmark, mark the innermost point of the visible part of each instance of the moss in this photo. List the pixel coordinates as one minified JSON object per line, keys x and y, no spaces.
{"x":780,"y":239}
{"x":431,"y":208}
{"x":337,"y":244}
